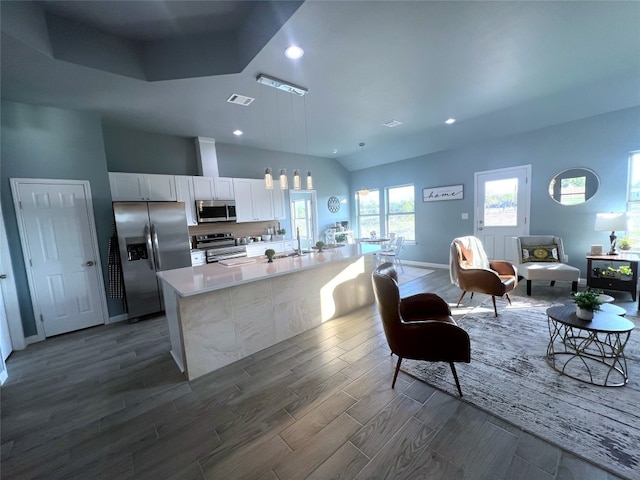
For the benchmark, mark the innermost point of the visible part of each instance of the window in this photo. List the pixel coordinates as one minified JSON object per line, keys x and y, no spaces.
{"x":572,"y":190}
{"x":368,"y":213}
{"x":633,"y":205}
{"x":400,"y":210}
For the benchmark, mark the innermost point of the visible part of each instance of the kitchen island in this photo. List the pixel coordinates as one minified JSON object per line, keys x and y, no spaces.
{"x":219,"y":314}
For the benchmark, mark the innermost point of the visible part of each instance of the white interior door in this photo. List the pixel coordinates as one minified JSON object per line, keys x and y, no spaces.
{"x":502,"y":202}
{"x":57,"y":231}
{"x":11,"y":333}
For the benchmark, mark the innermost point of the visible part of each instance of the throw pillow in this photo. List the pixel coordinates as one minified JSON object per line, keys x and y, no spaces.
{"x":540,"y":253}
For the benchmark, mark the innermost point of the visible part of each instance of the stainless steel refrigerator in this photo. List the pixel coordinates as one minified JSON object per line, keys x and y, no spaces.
{"x":152,"y":236}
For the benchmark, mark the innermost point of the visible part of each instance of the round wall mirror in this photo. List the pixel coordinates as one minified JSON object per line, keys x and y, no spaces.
{"x":574,"y":186}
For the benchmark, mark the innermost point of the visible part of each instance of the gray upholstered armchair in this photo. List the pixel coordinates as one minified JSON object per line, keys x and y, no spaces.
{"x":542,"y":257}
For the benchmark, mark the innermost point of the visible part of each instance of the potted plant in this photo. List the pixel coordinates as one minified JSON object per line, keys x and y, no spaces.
{"x":623,"y":273}
{"x":280,"y":233}
{"x":319,"y":245}
{"x":625,"y":243}
{"x":270,"y":253}
{"x":587,"y":302}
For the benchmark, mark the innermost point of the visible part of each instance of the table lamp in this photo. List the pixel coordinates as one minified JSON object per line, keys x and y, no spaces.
{"x":613,"y":221}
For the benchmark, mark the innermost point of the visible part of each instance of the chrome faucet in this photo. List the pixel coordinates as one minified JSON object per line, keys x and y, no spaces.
{"x":299,"y":250}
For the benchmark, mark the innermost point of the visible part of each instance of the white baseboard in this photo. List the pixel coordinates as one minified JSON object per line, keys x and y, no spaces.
{"x":118,"y":318}
{"x":423,"y":264}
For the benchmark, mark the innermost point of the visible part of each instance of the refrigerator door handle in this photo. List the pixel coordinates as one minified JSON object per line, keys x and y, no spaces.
{"x":150,"y":250}
{"x":156,"y":247}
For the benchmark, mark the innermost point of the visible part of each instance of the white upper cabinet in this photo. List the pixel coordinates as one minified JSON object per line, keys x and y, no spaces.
{"x":224,"y":188}
{"x":204,"y":188}
{"x":279,"y":204}
{"x":213,"y":188}
{"x":184,"y":193}
{"x":254,"y":203}
{"x":133,"y":187}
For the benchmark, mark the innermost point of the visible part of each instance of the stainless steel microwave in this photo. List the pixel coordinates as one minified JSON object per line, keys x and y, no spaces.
{"x":209,"y":211}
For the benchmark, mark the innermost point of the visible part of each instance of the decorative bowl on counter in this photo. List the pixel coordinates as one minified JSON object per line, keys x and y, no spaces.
{"x":266,"y":238}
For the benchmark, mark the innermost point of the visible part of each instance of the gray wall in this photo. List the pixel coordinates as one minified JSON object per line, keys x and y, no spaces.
{"x":40,"y":142}
{"x":330,"y":178}
{"x":602,"y":143}
{"x":43,"y":142}
{"x":134,"y":151}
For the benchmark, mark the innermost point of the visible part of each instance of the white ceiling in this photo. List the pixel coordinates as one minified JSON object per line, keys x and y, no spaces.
{"x":497,"y":67}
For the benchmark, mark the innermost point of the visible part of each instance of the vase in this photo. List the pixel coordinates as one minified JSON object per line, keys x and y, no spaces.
{"x":583,"y":313}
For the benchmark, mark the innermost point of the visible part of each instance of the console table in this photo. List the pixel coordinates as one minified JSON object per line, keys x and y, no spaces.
{"x":610,"y":283}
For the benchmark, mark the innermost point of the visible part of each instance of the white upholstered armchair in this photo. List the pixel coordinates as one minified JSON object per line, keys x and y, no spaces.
{"x":542,"y":257}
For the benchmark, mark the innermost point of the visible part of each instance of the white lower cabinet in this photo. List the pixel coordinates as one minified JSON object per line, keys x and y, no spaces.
{"x":198,"y":257}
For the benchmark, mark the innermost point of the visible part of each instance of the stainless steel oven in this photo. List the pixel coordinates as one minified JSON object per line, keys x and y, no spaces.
{"x":220,"y":246}
{"x":209,"y":211}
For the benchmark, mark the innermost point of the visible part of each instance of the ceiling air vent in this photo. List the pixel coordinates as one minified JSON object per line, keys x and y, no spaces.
{"x":240,"y":100}
{"x":392,"y":123}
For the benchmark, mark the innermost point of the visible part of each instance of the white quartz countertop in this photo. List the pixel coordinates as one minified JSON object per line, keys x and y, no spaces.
{"x":189,"y":281}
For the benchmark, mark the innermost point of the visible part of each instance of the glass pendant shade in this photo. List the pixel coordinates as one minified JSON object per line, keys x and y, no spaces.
{"x":296,"y":180}
{"x":309,"y":180}
{"x":268,"y":179}
{"x":284,"y":181}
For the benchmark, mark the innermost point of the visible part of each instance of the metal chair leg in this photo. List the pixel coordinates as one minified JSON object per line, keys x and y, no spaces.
{"x":495,"y":309}
{"x":455,"y":376}
{"x":396,"y":374}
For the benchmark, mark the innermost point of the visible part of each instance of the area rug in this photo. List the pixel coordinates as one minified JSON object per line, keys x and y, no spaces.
{"x":509,"y":377}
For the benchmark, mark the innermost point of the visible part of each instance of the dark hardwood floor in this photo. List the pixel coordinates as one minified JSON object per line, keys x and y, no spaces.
{"x":109,"y":403}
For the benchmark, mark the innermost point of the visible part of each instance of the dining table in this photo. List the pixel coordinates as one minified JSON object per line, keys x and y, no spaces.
{"x":376,"y":240}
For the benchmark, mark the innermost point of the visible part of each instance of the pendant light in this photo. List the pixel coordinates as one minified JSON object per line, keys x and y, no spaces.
{"x":268,"y":179}
{"x":284,"y":181}
{"x":297,"y":91}
{"x":363,"y":192}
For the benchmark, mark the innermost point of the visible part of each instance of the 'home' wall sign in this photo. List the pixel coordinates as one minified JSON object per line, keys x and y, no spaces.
{"x":453,"y":192}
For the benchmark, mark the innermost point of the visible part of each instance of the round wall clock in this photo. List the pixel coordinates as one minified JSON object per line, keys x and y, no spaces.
{"x":333,"y":204}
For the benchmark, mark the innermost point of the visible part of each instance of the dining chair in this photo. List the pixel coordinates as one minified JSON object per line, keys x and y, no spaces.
{"x":392,"y":253}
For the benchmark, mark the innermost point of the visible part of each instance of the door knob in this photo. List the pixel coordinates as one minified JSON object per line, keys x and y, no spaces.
{"x":89,"y":264}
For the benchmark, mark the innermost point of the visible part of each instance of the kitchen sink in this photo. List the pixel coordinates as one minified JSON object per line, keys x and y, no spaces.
{"x":289,"y":254}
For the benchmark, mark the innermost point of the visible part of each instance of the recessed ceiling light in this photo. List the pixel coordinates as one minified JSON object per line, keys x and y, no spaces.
{"x":237,"y":133}
{"x":334,"y":151}
{"x":450,"y":121}
{"x":294,"y":52}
